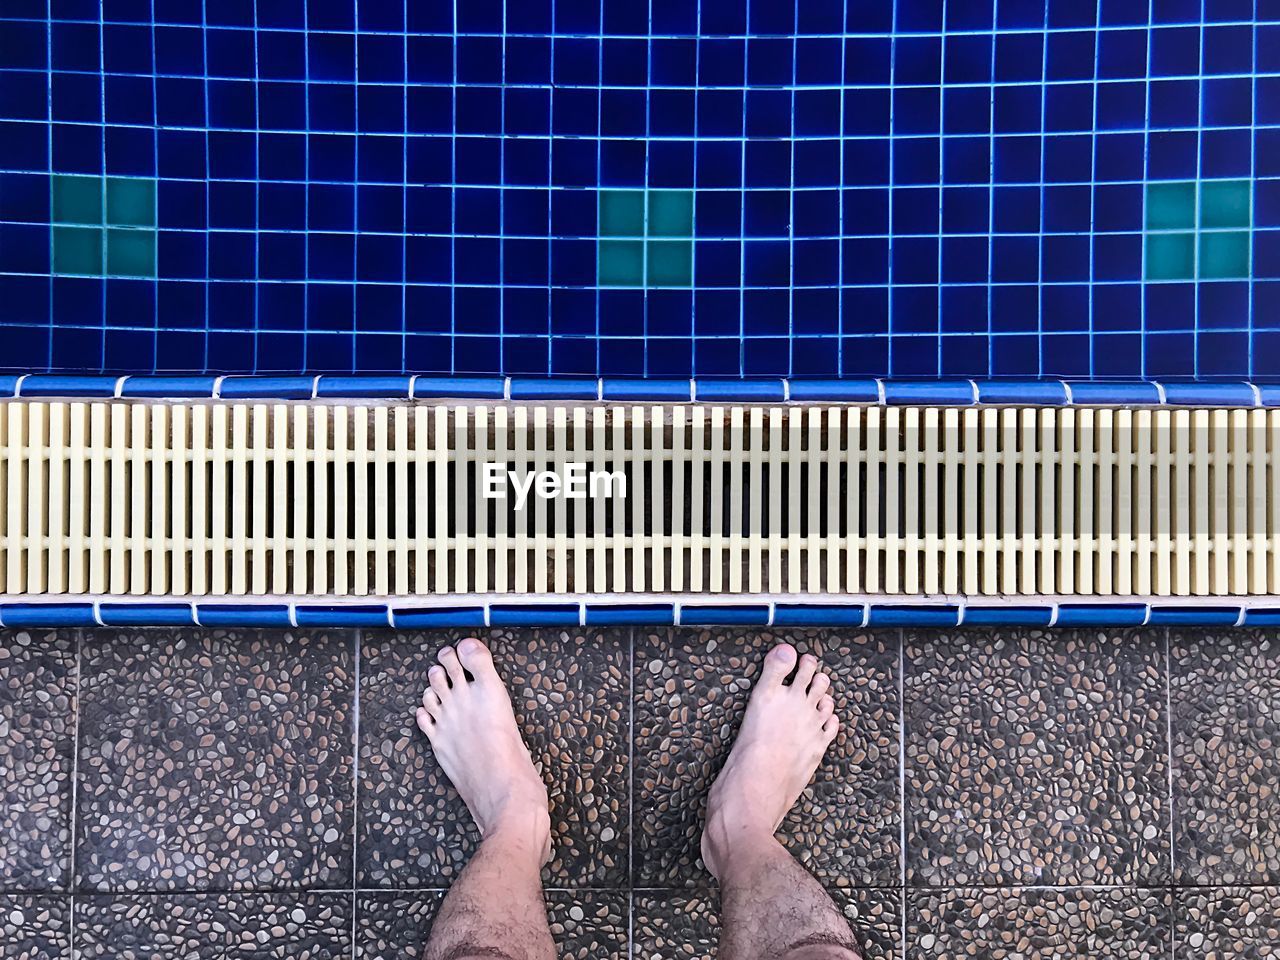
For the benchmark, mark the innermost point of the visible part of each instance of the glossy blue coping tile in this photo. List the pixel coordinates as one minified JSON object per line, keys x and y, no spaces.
{"x":670,"y":391}
{"x":948,"y":392}
{"x":1001,"y":616}
{"x":379,"y":388}
{"x":7,"y":386}
{"x":460,"y":388}
{"x":1101,"y":614}
{"x":163,"y":388}
{"x":266,"y":388}
{"x":1209,"y":394}
{"x":56,"y":385}
{"x":146,"y":615}
{"x":341,"y":615}
{"x":840,"y":391}
{"x":819,"y":615}
{"x":1037,"y":392}
{"x":1170,"y":616}
{"x":554,"y":388}
{"x":1262,"y":617}
{"x":432,"y":617}
{"x":913,"y":615}
{"x":631,"y":614}
{"x":243,"y":615}
{"x":534,"y":615}
{"x":1269,"y":394}
{"x":708,"y":615}
{"x":47,"y":615}
{"x":740,"y":391}
{"x":1104,"y":393}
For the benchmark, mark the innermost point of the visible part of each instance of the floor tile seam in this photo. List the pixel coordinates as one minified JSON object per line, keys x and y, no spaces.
{"x":707,"y":890}
{"x":636,"y":888}
{"x":357,"y":642}
{"x":902,"y":778}
{"x":631,"y":777}
{"x":1168,"y":720}
{"x":73,"y":818}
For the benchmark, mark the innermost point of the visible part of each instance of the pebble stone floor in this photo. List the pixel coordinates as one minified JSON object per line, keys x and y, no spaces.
{"x":257,"y":794}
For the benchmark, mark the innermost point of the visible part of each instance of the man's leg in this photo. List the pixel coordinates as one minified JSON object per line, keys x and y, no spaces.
{"x":495,"y":908}
{"x":770,"y":906}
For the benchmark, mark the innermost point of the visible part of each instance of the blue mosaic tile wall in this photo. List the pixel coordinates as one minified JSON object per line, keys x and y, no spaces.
{"x":607,"y":187}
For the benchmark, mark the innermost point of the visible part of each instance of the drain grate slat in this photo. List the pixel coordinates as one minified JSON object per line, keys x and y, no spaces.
{"x":350,"y":499}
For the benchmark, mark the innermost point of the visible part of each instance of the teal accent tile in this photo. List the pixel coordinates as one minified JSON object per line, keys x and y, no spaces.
{"x":621,"y":263}
{"x":1224,"y":203}
{"x":670,"y":213}
{"x":1224,"y":254}
{"x":622,"y":213}
{"x":77,"y":250}
{"x":1171,"y":205}
{"x":670,"y":263}
{"x":131,"y":202}
{"x":1170,"y":256}
{"x":77,"y":199}
{"x":131,"y":253}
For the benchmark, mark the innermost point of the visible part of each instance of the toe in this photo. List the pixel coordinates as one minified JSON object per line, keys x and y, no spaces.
{"x":431,"y":701}
{"x":826,"y":706}
{"x":475,"y":656}
{"x":425,"y":722}
{"x":804,"y":672}
{"x":777,"y":665}
{"x":830,"y":727}
{"x":449,"y":657}
{"x":439,"y":682}
{"x":819,"y":685}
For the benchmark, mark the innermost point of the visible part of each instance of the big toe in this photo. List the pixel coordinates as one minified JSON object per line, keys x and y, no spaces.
{"x":475,"y":656}
{"x":777,"y":664}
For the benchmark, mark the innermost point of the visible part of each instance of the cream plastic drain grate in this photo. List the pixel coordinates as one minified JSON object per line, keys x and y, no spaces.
{"x":196,"y":499}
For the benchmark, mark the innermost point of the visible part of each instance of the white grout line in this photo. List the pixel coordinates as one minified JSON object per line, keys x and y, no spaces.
{"x":902,"y":780}
{"x":355,"y":779}
{"x":77,"y":660}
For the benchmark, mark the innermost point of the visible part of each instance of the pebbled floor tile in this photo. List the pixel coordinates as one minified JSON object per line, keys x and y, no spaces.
{"x":591,"y":925}
{"x":1036,"y":758}
{"x":35,"y":927}
{"x":691,"y":689}
{"x":679,"y":923}
{"x":1226,"y":756}
{"x":1013,"y":923}
{"x":569,"y":690}
{"x":301,"y":926}
{"x":37,"y":732}
{"x":1227,"y":923}
{"x":215,"y":760}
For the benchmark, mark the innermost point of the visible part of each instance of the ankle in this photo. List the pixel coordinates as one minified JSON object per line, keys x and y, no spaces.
{"x":524,"y":832}
{"x":729,"y":841}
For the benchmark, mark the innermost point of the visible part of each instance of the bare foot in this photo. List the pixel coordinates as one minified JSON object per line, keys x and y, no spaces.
{"x":472,"y":730}
{"x":784,"y":734}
